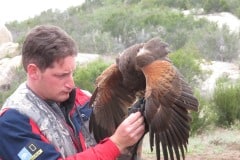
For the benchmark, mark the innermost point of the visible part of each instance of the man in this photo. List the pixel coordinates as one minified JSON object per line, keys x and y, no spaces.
{"x":44,"y":118}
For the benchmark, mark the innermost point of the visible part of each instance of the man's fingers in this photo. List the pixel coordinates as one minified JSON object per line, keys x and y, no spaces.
{"x":133,"y":117}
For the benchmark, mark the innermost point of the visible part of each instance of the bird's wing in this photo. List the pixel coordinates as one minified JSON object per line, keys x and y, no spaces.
{"x":168,"y":99}
{"x":110,"y":102}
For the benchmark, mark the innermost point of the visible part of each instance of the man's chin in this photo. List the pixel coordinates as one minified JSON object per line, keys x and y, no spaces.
{"x":63,"y":97}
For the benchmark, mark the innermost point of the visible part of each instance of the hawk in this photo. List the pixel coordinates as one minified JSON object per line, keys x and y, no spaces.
{"x":144,"y":72}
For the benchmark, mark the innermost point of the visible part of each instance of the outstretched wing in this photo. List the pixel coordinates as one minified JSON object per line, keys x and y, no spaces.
{"x":168,"y":99}
{"x":110,"y":102}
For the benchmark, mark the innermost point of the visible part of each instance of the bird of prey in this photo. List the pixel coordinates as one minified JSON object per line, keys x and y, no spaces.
{"x":144,"y":71}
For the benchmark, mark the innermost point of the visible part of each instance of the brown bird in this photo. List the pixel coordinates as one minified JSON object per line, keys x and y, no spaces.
{"x":145,"y":71}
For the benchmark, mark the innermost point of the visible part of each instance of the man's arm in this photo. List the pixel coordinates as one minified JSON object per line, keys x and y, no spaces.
{"x":21,"y":139}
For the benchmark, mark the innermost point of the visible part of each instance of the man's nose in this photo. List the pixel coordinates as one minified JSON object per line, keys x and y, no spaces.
{"x":70,"y":82}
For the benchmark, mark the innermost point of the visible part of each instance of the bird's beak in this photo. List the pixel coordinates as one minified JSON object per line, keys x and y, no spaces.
{"x":168,"y":49}
{"x":141,"y":51}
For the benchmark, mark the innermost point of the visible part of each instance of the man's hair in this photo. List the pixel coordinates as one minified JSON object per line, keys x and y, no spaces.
{"x":46,"y":44}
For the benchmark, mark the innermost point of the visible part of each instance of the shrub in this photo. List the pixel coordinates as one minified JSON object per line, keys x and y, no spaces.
{"x":204,"y":117}
{"x":216,"y":44}
{"x":85,"y":76}
{"x":216,"y":5}
{"x":226,"y":102}
{"x":187,"y":61}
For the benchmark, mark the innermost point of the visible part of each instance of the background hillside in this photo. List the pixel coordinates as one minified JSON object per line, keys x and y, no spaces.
{"x":107,"y":27}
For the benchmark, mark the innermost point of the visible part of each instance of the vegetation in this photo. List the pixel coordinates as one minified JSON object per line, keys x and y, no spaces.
{"x":107,"y":27}
{"x":226,"y":102}
{"x":187,"y":60}
{"x":85,"y":76}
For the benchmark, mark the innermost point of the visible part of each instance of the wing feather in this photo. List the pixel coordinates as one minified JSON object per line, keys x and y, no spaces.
{"x":172,"y":133}
{"x":158,"y":150}
{"x":164,"y":145}
{"x":169,"y":144}
{"x":110,"y":99}
{"x":168,"y":99}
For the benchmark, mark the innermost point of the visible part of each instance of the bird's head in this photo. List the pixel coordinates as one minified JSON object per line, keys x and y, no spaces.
{"x":156,"y":47}
{"x":152,"y":50}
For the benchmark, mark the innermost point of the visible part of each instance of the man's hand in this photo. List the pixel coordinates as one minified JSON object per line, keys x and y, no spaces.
{"x":129,"y":131}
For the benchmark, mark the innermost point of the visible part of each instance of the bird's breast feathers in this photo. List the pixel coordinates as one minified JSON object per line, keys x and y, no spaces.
{"x":159,"y":71}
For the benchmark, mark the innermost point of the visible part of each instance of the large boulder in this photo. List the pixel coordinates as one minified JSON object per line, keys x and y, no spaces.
{"x":9,"y":49}
{"x":84,"y":58}
{"x":224,"y":18}
{"x":7,"y":71}
{"x":216,"y":70}
{"x":5,"y":35}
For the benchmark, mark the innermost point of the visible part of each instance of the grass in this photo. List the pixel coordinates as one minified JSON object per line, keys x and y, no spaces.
{"x":212,"y":144}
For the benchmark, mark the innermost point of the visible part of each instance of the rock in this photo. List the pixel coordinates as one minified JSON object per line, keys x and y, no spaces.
{"x":9,"y":49}
{"x":7,"y":71}
{"x":5,"y":35}
{"x":218,"y":69}
{"x":83,"y":58}
{"x":224,"y":18}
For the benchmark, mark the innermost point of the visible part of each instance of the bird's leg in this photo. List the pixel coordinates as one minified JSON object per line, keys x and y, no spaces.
{"x":139,"y":105}
{"x":136,"y":149}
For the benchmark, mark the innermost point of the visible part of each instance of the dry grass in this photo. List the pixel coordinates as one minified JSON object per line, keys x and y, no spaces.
{"x":215,"y":144}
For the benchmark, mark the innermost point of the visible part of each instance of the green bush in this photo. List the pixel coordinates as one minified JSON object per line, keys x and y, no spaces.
{"x":188,"y":63}
{"x":85,"y":76}
{"x":205,"y":116}
{"x":237,"y":12}
{"x":226,"y":102}
{"x":216,"y":5}
{"x":216,"y":44}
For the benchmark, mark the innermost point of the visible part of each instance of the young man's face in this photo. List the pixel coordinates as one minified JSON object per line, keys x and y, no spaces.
{"x":56,"y":83}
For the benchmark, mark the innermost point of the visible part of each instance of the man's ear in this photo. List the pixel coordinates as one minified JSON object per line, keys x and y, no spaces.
{"x":33,"y":71}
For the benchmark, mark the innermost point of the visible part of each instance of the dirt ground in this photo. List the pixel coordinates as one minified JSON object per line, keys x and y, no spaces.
{"x":226,"y":155}
{"x":217,"y":144}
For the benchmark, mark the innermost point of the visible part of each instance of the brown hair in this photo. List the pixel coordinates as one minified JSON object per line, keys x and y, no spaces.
{"x":46,"y":44}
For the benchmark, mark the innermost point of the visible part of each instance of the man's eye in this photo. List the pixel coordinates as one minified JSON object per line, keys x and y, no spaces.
{"x":62,"y":75}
